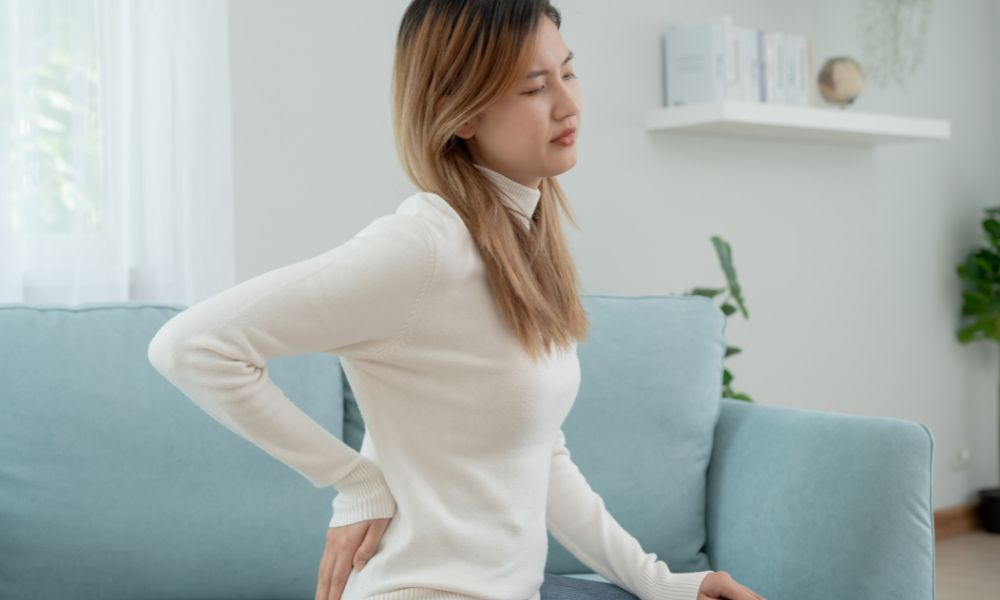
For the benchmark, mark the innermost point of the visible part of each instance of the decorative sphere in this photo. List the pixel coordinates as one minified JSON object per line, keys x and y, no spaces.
{"x":841,"y":80}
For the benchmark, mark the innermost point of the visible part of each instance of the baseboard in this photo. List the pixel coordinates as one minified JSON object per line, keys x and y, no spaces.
{"x":956,"y":520}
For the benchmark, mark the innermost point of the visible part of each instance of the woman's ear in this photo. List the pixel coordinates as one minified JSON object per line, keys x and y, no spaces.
{"x":468,"y":129}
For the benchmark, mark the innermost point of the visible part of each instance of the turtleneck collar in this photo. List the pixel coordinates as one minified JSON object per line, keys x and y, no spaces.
{"x":519,"y":197}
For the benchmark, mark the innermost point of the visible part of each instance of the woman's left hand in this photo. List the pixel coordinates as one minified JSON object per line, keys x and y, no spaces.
{"x":721,"y":585}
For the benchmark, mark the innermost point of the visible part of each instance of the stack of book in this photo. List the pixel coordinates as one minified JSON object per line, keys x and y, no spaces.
{"x":715,"y":60}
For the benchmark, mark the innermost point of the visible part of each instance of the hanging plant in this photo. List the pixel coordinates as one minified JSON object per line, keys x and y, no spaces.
{"x":893,"y":36}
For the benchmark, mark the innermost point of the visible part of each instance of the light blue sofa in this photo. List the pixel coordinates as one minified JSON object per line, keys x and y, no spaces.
{"x":114,"y":485}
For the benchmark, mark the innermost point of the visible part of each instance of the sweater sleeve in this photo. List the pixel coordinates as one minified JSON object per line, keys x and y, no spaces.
{"x":576,"y":516}
{"x":357,"y":300}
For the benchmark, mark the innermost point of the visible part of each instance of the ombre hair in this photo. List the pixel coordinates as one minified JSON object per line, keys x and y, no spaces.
{"x":454,"y":59}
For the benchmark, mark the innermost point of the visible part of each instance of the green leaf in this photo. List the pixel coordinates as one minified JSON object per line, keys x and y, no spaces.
{"x":725,"y":254}
{"x":985,"y":268}
{"x":991,"y":256}
{"x":708,"y":292}
{"x":731,"y":350}
{"x":992,"y":228}
{"x":971,"y":273}
{"x":974,"y":302}
{"x":971,"y":332}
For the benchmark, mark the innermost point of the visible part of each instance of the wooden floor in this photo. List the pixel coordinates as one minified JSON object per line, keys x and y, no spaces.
{"x":968,"y":566}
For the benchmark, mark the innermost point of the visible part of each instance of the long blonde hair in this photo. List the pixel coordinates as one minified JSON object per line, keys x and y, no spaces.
{"x":454,"y":59}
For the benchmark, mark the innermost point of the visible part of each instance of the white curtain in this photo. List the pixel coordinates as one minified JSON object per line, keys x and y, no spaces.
{"x":115,"y":157}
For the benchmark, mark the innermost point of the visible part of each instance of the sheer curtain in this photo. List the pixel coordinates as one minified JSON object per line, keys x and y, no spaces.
{"x":115,"y":156}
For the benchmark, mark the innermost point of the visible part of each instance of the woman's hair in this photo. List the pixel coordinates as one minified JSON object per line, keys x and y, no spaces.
{"x":454,"y":59}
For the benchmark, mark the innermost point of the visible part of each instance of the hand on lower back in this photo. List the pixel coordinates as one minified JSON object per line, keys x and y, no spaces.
{"x":348,"y":548}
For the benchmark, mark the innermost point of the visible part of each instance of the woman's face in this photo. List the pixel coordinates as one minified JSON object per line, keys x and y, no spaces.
{"x":514,"y":136}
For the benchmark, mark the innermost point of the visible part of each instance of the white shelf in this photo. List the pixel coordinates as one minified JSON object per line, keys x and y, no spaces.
{"x":797,"y":123}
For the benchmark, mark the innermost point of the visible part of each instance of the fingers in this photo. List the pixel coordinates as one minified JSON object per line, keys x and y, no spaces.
{"x":730,"y":589}
{"x":341,"y":571}
{"x":748,"y":594}
{"x":368,"y":545}
{"x":323,"y":577}
{"x":338,"y":559}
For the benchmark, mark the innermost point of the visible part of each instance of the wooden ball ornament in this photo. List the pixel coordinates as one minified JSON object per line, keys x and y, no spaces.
{"x":841,"y":80}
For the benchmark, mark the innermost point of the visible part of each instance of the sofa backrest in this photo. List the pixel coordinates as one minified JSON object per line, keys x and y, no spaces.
{"x":110,"y":475}
{"x":114,"y":485}
{"x":642,"y":427}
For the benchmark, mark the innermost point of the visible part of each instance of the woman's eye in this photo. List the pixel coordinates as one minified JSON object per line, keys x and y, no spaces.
{"x":537,"y":90}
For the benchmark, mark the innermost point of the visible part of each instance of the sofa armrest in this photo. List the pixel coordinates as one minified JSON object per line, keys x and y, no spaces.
{"x":821,"y":504}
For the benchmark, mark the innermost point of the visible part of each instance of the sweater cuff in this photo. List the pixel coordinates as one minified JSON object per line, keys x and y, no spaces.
{"x":679,"y":586}
{"x":362,"y":494}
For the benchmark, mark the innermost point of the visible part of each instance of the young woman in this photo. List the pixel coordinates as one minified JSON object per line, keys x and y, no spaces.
{"x":456,"y":319}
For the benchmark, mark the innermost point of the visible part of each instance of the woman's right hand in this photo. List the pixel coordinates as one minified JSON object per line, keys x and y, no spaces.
{"x":347,"y":547}
{"x":721,"y":584}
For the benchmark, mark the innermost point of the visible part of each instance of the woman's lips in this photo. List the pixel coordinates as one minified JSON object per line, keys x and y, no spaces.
{"x":566,"y":140}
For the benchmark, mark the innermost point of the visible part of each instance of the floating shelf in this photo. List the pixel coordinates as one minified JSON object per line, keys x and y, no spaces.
{"x":796,"y":123}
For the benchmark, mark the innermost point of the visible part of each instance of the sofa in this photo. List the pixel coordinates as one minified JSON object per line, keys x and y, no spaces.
{"x":114,"y":485}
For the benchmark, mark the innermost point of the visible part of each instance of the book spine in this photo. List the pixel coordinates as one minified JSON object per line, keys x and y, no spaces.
{"x":761,"y":66}
{"x":781,"y":49}
{"x":771,"y":67}
{"x":719,"y":52}
{"x":810,"y":74}
{"x":734,"y":61}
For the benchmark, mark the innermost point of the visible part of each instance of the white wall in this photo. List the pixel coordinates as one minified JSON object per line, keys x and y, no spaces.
{"x":846,"y":255}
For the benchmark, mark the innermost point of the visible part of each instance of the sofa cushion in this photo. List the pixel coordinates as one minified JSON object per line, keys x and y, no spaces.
{"x":113,"y":484}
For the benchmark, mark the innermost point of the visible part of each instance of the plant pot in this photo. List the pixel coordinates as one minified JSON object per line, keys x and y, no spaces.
{"x":989,"y":509}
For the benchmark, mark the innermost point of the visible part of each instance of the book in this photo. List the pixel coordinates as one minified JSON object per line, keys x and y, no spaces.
{"x":695,"y":60}
{"x":714,"y":59}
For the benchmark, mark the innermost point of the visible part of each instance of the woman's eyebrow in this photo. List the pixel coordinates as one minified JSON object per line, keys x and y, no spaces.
{"x":531,"y":74}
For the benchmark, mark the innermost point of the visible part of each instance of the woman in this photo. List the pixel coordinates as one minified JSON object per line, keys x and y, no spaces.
{"x":456,"y":319}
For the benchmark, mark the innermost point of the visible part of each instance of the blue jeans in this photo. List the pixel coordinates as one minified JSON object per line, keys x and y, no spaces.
{"x":561,"y":587}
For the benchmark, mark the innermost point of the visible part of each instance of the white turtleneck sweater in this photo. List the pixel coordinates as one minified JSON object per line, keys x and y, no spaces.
{"x":463,"y":445}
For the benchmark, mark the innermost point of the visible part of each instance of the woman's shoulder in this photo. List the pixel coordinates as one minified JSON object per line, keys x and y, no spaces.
{"x":430,"y":207}
{"x":434,"y":212}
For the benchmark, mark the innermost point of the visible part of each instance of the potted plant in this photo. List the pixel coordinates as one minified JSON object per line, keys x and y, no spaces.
{"x":980,"y":320}
{"x":733,"y":292}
